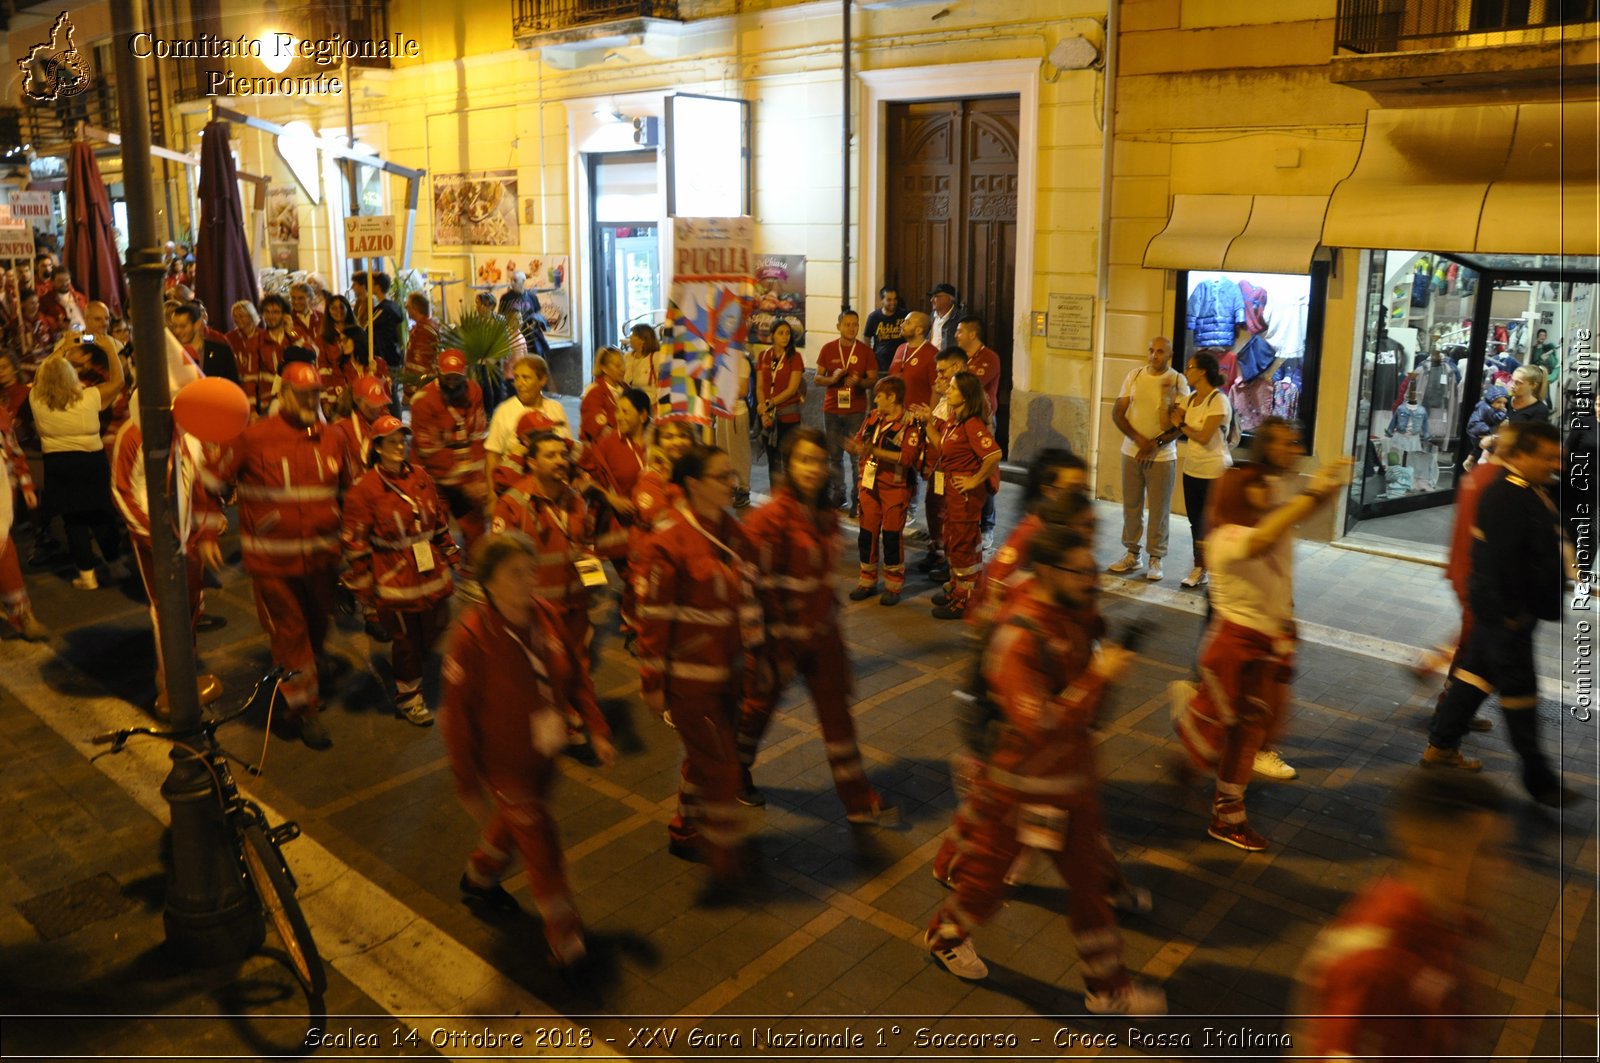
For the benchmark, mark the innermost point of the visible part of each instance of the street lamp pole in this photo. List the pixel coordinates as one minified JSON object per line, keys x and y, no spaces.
{"x":210,"y":918}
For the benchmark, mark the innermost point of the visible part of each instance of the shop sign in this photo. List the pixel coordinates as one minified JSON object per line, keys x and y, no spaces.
{"x":369,"y":237}
{"x":16,"y":241}
{"x":1070,"y":324}
{"x":708,"y":317}
{"x":30,"y":206}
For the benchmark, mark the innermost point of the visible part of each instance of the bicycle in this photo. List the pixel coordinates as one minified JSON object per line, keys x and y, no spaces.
{"x":257,"y":844}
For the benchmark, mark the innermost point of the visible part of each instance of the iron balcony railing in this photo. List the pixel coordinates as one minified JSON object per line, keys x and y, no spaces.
{"x":1371,"y":27}
{"x":547,"y":16}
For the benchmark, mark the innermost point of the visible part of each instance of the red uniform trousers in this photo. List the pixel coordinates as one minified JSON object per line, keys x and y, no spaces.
{"x":934,"y":507}
{"x":825,"y":665}
{"x":294,"y":611}
{"x":194,"y":575}
{"x":709,"y":814}
{"x":526,"y":827}
{"x":466,"y":506}
{"x":883,"y":515}
{"x":412,"y":634}
{"x":963,"y":542}
{"x":14,"y":604}
{"x":986,"y":845}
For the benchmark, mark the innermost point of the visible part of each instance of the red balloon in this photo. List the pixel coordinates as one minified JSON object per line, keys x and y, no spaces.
{"x":212,"y":409}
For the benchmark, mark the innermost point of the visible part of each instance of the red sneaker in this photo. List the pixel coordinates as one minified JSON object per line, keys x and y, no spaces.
{"x":1238,"y":835}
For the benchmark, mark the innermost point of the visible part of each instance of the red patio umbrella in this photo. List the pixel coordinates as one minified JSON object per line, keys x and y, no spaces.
{"x":91,"y":245}
{"x":222,"y":267}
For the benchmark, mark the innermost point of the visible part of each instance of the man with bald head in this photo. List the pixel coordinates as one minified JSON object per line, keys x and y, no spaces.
{"x":914,"y":361}
{"x":1149,"y":454}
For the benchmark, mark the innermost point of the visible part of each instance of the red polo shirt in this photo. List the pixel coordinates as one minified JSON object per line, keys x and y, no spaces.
{"x":916,"y":367}
{"x":985,"y":365}
{"x":851,"y":356}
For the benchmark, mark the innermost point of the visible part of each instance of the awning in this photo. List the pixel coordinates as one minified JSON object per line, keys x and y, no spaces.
{"x":1257,"y":234}
{"x":1516,"y":178}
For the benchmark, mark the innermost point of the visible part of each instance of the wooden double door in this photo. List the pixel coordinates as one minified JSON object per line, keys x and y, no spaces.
{"x":952,"y":212}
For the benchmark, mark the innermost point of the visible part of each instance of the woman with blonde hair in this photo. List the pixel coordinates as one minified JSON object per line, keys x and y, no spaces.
{"x":1527,"y":396}
{"x":77,"y":473}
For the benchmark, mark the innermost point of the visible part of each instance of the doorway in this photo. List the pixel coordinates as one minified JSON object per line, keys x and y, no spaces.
{"x":952,"y":213}
{"x":625,"y":240}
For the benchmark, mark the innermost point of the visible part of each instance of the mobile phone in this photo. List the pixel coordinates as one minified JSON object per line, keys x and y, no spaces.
{"x":88,"y":338}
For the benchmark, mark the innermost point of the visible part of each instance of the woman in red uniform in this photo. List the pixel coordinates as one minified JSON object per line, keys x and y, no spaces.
{"x":1053,"y":473}
{"x":615,"y":462}
{"x":697,"y":615}
{"x":654,"y":496}
{"x":598,"y":412}
{"x":397,"y":544}
{"x":780,"y":393}
{"x":797,"y":544}
{"x":508,"y":681}
{"x":965,"y":471}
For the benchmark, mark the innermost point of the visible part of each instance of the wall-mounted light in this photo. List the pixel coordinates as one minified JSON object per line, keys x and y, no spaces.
{"x":277,"y":46}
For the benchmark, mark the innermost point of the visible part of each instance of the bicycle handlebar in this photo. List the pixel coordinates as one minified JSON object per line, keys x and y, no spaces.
{"x":117,"y":739}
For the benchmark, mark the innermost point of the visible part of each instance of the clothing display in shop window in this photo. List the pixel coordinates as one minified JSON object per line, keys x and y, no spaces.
{"x":1252,"y":401}
{"x":1451,"y":273}
{"x":1286,"y":326}
{"x":1409,"y":438}
{"x":1215,"y":311}
{"x":1228,"y":366}
{"x":1387,"y":370}
{"x":1255,"y":358}
{"x":1255,"y":307}
{"x":1409,"y":426}
{"x":1421,"y":285}
{"x":1286,"y":392}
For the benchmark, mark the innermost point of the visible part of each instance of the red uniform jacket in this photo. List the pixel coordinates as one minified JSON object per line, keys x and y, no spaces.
{"x":899,"y":433}
{"x":916,"y":367}
{"x":689,"y":592}
{"x":777,"y":379}
{"x":1037,"y":671}
{"x":985,"y":365}
{"x":598,"y":412}
{"x":506,"y":694}
{"x":797,"y":554}
{"x":240,"y":343}
{"x":290,"y":479}
{"x":562,"y":534}
{"x":309,"y":326}
{"x":422,"y":348}
{"x":1385,"y":977}
{"x":52,"y":307}
{"x":355,"y":435}
{"x":449,"y":439}
{"x":959,"y":450}
{"x":259,"y":365}
{"x":853,"y":357}
{"x":655,"y":497}
{"x":340,"y":373}
{"x":1008,"y":567}
{"x":16,"y":460}
{"x":393,"y":528}
{"x":1459,"y":567}
{"x":616,"y":464}
{"x":200,"y":517}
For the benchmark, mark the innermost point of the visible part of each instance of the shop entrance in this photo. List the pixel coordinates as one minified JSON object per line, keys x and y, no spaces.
{"x":625,"y":243}
{"x":1454,"y":344}
{"x":952,"y":201}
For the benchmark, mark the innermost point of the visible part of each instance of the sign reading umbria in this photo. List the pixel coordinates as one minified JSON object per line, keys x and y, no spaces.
{"x":369,"y":237}
{"x":276,"y":51}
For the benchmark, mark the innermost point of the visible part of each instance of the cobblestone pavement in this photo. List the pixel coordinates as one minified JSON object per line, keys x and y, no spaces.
{"x":832,"y":928}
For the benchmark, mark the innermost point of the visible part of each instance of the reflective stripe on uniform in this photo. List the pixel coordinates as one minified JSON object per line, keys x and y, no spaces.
{"x":255,"y":544}
{"x":1043,"y":785}
{"x":271,"y":493}
{"x":686,"y":614}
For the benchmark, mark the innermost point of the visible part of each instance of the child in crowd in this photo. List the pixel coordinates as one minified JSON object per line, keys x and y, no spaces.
{"x":888,"y":446}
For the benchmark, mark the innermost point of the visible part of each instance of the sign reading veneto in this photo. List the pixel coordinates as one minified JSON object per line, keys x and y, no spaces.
{"x":369,"y":237}
{"x":16,"y":241}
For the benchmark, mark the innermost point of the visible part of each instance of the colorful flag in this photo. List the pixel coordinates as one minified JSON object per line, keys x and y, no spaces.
{"x":708,"y":312}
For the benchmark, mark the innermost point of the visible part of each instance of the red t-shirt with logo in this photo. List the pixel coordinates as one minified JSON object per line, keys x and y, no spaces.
{"x":852,"y":356}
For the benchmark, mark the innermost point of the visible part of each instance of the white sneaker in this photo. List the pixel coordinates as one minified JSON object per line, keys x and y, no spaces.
{"x":86,"y":580}
{"x":1136,"y":998}
{"x":416,"y":712}
{"x":1195,"y":578}
{"x":1155,"y":574}
{"x":960,"y":960}
{"x":1128,"y":563}
{"x":988,"y":540}
{"x":1269,"y":765}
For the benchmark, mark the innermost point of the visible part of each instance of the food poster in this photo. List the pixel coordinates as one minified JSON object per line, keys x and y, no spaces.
{"x":780,"y":296}
{"x":475,"y":208}
{"x":548,"y":275}
{"x":283,"y":227}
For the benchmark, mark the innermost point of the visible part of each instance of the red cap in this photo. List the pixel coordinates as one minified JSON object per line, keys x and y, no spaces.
{"x":388,"y":424}
{"x":452,"y":362}
{"x":370,"y":390}
{"x":301,"y":375}
{"x":534,"y":421}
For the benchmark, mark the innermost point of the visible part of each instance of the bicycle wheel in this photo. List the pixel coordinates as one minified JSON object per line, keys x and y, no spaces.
{"x":264,"y":867}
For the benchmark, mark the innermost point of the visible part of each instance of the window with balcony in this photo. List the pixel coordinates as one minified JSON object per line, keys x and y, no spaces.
{"x":1375,"y":27}
{"x":549,"y":16}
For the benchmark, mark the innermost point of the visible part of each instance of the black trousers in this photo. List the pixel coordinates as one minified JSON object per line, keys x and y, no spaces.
{"x":1499,"y":658}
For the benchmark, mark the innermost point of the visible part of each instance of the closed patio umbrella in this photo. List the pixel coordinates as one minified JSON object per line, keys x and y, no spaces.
{"x":91,"y":244}
{"x":223,"y":273}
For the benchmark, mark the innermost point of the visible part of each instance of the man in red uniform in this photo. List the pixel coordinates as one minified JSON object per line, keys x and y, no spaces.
{"x":545,"y":508}
{"x":934,"y":420}
{"x":422,"y":345}
{"x":302,"y":318}
{"x":290,"y":470}
{"x":200,"y":525}
{"x":888,"y":446}
{"x":263,"y":354}
{"x":797,"y":543}
{"x":985,"y":365}
{"x":64,"y":305}
{"x":371,"y":401}
{"x":846,"y":369}
{"x":914,"y":361}
{"x":450,"y":425}
{"x":1392,"y":976}
{"x":1038,"y":788}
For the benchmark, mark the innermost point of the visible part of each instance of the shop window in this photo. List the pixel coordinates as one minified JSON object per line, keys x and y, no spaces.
{"x":1267,"y":326}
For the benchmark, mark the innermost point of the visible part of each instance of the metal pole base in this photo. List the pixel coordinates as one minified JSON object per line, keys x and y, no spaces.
{"x":210,"y":917}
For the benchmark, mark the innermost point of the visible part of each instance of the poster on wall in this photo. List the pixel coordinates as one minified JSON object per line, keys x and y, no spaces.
{"x":708,"y":317}
{"x":548,"y":275}
{"x":475,"y":208}
{"x":283,"y":227}
{"x":780,"y":296}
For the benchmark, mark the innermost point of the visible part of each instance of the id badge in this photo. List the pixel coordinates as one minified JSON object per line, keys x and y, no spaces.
{"x":938,"y":483}
{"x":844,"y":398}
{"x":423,"y":554}
{"x":1042,"y":827}
{"x":869,"y":475}
{"x":590,"y":572}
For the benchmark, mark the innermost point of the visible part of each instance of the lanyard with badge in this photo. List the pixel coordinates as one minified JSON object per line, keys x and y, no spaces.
{"x":547,"y":725}
{"x":585,"y":564}
{"x":752,"y":630}
{"x":845,"y":358}
{"x":421,"y":550}
{"x":869,"y":469}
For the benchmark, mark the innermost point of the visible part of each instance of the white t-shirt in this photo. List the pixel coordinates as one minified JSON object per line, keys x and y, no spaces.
{"x":1207,"y":461}
{"x":502,"y":437}
{"x":75,"y":428}
{"x":1150,"y":397}
{"x":1256,"y":592}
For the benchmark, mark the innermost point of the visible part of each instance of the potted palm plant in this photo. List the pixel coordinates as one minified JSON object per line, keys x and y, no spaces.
{"x":483,"y":340}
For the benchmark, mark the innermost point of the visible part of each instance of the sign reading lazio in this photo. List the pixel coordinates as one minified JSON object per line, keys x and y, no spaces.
{"x":16,"y":241}
{"x":369,"y":237}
